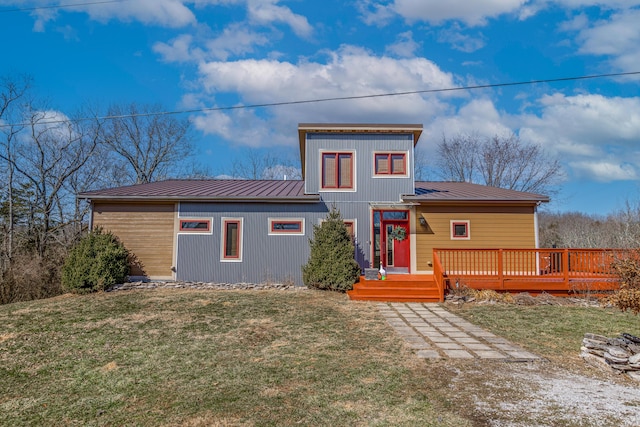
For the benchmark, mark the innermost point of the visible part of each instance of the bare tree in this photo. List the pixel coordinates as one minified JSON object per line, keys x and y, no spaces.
{"x":457,"y":158}
{"x":256,"y":164}
{"x":148,"y":146}
{"x":504,"y":162}
{"x":13,"y":90}
{"x":46,"y":157}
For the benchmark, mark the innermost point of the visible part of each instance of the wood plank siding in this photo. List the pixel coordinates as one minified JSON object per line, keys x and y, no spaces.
{"x":146,"y":229}
{"x":489,"y":227}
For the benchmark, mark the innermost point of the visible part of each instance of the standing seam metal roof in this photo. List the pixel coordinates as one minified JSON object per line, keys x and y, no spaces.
{"x":266,"y":190}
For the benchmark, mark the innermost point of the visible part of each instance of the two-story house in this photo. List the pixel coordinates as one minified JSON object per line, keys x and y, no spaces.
{"x":256,"y":231}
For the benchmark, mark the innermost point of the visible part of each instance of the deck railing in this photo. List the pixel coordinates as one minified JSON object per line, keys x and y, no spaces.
{"x":531,"y":269}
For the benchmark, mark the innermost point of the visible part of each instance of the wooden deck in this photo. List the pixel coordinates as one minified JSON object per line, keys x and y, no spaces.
{"x":559,"y":272}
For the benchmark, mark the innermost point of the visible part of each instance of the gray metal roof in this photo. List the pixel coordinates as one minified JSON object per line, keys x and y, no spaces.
{"x":210,"y":189}
{"x":467,"y":192}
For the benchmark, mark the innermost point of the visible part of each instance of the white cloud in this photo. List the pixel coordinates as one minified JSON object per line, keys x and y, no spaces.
{"x":603,"y":171}
{"x":618,"y":37}
{"x":460,"y":41}
{"x":473,"y":13}
{"x":267,"y":12}
{"x":592,"y":133}
{"x":236,"y":40}
{"x":347,"y":72}
{"x":404,"y":47}
{"x":178,"y":50}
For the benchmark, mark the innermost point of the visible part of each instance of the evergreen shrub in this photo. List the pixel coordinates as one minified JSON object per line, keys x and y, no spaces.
{"x":331,"y":264}
{"x":97,"y":262}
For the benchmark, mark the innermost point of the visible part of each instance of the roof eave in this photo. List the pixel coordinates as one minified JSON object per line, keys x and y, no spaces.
{"x":103,"y":198}
{"x":476,"y":201}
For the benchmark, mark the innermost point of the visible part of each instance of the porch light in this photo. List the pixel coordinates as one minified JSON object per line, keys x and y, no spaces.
{"x":423,"y":222}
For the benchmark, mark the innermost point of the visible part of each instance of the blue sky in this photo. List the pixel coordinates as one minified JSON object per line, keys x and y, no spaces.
{"x":191,"y":54}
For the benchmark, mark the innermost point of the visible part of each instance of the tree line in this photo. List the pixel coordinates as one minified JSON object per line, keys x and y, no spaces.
{"x":47,"y":157}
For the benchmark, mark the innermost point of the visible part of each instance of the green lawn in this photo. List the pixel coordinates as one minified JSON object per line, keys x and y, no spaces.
{"x":210,"y":358}
{"x":200,"y":358}
{"x":550,"y":331}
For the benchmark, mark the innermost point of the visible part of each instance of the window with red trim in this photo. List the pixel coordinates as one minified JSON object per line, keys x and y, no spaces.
{"x":390,"y":163}
{"x":286,"y":226}
{"x":231,"y":239}
{"x":337,"y":170}
{"x":351,"y":227}
{"x":195,"y":225}
{"x":460,"y":230}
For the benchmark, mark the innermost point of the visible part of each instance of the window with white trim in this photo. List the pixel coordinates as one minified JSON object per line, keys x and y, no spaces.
{"x":286,"y":226}
{"x":231,"y":240}
{"x":195,"y":225}
{"x":390,"y":164}
{"x":460,"y":230}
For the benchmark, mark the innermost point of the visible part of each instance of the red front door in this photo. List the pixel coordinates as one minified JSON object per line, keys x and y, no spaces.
{"x":395,"y":241}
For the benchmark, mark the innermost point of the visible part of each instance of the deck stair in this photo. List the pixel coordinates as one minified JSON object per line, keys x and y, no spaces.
{"x":397,"y":288}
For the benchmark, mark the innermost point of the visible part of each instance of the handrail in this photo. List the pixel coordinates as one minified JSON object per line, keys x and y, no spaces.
{"x":498,"y":266}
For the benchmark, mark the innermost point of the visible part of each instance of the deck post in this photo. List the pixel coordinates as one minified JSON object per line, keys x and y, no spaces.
{"x":500,"y":268}
{"x":565,"y":267}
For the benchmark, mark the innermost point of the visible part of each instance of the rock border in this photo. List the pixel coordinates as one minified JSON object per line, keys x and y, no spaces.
{"x":129,"y":286}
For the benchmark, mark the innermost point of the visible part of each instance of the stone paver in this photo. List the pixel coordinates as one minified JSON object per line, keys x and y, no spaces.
{"x":436,"y":333}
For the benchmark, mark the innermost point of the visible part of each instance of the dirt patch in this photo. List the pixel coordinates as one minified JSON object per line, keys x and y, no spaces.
{"x":542,"y":394}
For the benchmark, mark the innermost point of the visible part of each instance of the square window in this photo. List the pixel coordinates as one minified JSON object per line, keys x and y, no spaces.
{"x":337,"y":170}
{"x":460,"y":230}
{"x":386,"y":164}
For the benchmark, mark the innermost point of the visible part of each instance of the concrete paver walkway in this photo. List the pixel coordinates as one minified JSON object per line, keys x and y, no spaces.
{"x":437,"y":333}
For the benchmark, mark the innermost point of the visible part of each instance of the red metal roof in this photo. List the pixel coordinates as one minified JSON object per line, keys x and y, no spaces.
{"x":212,"y":189}
{"x":466,"y":192}
{"x":271,"y":190}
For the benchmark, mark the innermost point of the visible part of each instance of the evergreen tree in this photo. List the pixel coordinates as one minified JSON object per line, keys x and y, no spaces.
{"x":331,"y":263}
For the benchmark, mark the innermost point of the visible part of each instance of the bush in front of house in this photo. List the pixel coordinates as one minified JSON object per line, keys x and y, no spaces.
{"x":331,"y":264}
{"x":97,"y":262}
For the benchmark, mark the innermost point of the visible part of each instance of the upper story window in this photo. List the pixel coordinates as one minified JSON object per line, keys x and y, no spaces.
{"x":460,"y":230}
{"x":394,"y":164}
{"x":337,"y":170}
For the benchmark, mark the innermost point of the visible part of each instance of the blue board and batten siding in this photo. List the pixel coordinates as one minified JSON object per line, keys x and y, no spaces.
{"x":368,"y":187}
{"x":265,"y":257}
{"x":280,"y":258}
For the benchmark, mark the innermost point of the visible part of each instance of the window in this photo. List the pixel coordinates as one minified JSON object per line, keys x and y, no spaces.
{"x":337,"y":170}
{"x":390,"y":164}
{"x":231,"y":246}
{"x":286,"y":226}
{"x":351,"y":227}
{"x":460,"y":230}
{"x":195,"y":226}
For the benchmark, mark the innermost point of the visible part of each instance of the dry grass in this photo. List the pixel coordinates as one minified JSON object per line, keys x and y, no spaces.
{"x":211,"y":358}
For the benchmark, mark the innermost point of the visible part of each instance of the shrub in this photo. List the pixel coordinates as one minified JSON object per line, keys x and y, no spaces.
{"x":628,"y":296}
{"x":331,"y":263}
{"x":98,"y":261}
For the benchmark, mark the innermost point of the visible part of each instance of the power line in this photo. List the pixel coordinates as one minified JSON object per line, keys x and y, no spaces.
{"x":340,"y":98}
{"x":60,"y":6}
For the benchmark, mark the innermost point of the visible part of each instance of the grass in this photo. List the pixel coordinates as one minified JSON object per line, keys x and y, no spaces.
{"x":549,"y":330}
{"x":210,"y":358}
{"x":253,"y":358}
